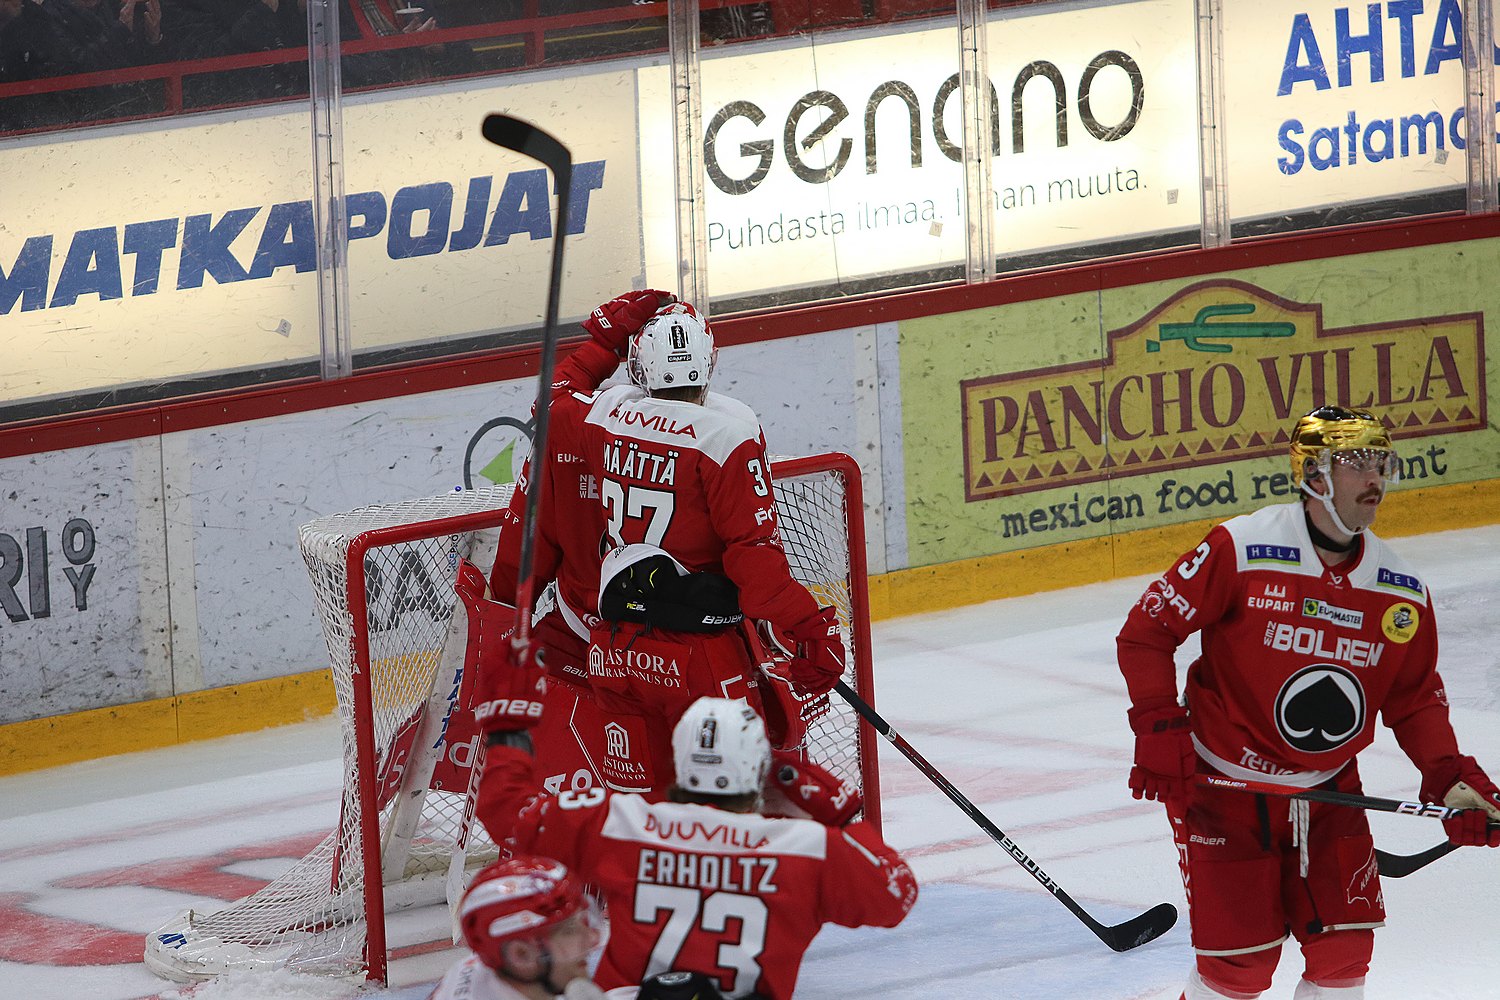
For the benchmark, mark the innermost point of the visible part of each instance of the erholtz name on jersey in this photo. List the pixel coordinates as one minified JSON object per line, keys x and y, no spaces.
{"x":707,"y":871}
{"x":632,"y":462}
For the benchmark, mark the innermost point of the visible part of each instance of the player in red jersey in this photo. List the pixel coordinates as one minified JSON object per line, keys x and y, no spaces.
{"x":1311,"y":626}
{"x":703,"y":882}
{"x":569,"y":545}
{"x":684,"y":470}
{"x":530,"y":930}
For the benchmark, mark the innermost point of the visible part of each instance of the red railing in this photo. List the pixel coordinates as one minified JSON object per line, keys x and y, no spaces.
{"x":379,"y":32}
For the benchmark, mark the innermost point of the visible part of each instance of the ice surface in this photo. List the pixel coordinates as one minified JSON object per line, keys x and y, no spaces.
{"x":1018,"y":702}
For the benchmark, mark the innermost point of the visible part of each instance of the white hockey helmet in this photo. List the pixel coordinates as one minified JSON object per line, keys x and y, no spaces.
{"x":675,"y":348}
{"x":719,"y":748}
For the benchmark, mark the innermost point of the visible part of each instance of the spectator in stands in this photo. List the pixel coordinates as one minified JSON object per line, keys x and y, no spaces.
{"x":58,"y":38}
{"x":201,"y":29}
{"x":142,"y":21}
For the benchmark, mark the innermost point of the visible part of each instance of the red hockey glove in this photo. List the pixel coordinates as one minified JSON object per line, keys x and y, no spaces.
{"x":1465,"y":786}
{"x":619,"y":319}
{"x":507,"y":691}
{"x":811,"y":790}
{"x":817,"y":652}
{"x":1164,"y":757}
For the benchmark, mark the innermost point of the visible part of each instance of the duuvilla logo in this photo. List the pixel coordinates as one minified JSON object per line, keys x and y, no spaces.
{"x":1215,"y":374}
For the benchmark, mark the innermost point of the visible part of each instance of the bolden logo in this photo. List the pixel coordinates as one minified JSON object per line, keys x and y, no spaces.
{"x":1400,"y":622}
{"x":1212,"y":375}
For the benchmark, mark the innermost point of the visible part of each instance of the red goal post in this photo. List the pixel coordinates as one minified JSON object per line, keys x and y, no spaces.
{"x":382,"y":580}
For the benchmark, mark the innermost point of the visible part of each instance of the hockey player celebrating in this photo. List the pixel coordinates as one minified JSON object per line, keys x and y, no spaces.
{"x":1310,"y":627}
{"x":530,"y":931}
{"x":569,"y":543}
{"x":684,"y":470}
{"x":704,"y":883}
{"x":661,"y":461}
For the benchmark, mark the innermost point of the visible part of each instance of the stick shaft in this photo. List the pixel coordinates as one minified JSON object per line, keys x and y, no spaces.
{"x":1428,"y":810}
{"x":1131,"y":933}
{"x":529,"y":140}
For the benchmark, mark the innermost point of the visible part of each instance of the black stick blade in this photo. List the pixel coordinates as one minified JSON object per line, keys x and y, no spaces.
{"x":528,"y":139}
{"x":1142,"y":929}
{"x":1402,"y":865}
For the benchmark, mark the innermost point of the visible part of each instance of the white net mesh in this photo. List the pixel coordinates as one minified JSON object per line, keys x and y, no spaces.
{"x":813,"y":511}
{"x":313,"y":918}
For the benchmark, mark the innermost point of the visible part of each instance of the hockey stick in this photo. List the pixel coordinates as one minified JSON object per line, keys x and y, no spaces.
{"x":1428,"y":810}
{"x":1132,"y":933}
{"x":529,"y":140}
{"x":1402,"y":865}
{"x":1390,"y":865}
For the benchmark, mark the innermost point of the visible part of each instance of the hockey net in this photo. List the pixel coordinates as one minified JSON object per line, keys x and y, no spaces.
{"x":382,"y":579}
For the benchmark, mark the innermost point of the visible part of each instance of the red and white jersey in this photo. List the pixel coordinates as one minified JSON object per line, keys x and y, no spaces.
{"x":693,"y":479}
{"x":1298,"y":657}
{"x":471,"y":979}
{"x":735,"y":896}
{"x":569,"y":542}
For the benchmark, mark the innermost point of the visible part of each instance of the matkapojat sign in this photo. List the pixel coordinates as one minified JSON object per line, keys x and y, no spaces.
{"x":189,"y":247}
{"x":840,"y":158}
{"x":1215,"y":374}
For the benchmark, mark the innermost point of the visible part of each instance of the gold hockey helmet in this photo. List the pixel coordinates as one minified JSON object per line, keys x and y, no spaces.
{"x":1328,"y":430}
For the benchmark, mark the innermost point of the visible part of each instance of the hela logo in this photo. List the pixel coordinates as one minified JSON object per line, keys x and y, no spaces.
{"x":1391,"y":580}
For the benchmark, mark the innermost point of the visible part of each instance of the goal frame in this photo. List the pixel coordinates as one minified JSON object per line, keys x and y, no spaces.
{"x":389,"y":789}
{"x":376,"y":953}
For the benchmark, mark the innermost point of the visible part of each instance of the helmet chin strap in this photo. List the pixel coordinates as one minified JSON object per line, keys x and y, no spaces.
{"x":1327,"y":502}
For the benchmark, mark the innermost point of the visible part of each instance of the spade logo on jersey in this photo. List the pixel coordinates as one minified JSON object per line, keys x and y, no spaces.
{"x":1320,"y":708}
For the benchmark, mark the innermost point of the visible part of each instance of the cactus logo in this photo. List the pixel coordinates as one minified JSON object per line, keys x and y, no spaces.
{"x":496,"y":452}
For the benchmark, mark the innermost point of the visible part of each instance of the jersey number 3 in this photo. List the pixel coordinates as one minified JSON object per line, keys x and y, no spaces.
{"x":685,"y":914}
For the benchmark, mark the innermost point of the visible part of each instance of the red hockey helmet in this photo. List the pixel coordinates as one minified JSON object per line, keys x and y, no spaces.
{"x":519,"y":898}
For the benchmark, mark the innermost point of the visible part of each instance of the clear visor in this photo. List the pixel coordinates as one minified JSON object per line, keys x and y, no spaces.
{"x":1367,"y":460}
{"x":574,"y":938}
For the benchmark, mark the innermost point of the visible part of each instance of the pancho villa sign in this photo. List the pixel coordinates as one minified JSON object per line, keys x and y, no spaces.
{"x":1214,"y":374}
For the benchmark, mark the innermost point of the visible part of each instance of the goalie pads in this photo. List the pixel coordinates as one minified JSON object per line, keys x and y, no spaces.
{"x":788,"y":708}
{"x":507,"y":694}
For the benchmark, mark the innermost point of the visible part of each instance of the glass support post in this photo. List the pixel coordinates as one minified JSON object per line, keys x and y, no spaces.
{"x":687,"y":156}
{"x":1213,"y":185}
{"x":326,"y":98}
{"x":1479,"y":104}
{"x":976,"y":93}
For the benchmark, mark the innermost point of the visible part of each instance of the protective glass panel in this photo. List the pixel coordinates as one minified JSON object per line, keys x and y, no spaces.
{"x":167,"y":249}
{"x":829,"y":158}
{"x":451,"y":237}
{"x":1095,"y":119}
{"x":1339,"y":113}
